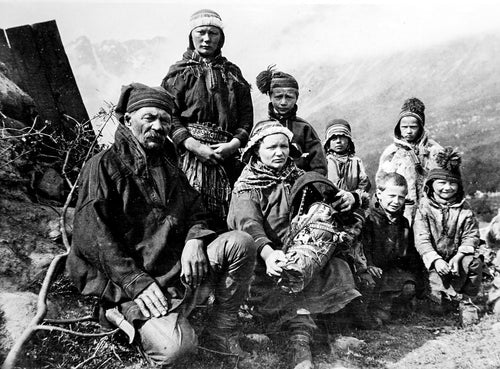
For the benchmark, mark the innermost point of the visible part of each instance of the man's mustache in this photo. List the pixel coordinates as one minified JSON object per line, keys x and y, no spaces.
{"x":155,"y":135}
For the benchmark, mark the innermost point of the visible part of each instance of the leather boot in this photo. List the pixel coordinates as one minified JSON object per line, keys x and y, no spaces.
{"x":361,"y":318}
{"x":301,"y":351}
{"x":222,"y":335}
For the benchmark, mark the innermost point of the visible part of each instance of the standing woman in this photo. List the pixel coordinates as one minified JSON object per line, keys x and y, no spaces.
{"x":214,"y":116}
{"x":261,"y":205}
{"x":412,"y":154}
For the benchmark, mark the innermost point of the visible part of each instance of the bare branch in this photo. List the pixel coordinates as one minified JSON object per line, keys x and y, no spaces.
{"x":87,"y":318}
{"x":51,"y":328}
{"x":42,"y":296}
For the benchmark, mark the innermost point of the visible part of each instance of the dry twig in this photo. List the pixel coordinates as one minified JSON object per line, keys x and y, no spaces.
{"x":42,"y":295}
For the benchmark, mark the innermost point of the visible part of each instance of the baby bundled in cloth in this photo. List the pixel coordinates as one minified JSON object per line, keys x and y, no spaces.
{"x":447,"y":236}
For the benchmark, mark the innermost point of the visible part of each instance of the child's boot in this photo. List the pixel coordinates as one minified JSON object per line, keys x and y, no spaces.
{"x":468,"y":312}
{"x":300,"y":342}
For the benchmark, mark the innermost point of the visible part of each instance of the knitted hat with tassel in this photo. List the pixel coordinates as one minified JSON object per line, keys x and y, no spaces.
{"x":412,"y":107}
{"x":448,"y":163}
{"x":270,"y":79}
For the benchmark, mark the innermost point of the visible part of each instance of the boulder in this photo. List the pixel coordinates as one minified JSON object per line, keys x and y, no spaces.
{"x":347,"y":343}
{"x":17,"y":310}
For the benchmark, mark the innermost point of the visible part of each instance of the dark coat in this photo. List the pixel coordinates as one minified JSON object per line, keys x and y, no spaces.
{"x":227,"y":103}
{"x":127,"y":232}
{"x":306,"y":139}
{"x":388,"y":244}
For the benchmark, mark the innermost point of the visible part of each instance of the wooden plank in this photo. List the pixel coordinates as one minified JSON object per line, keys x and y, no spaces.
{"x":33,"y":74}
{"x":58,"y":71}
{"x":9,"y":68}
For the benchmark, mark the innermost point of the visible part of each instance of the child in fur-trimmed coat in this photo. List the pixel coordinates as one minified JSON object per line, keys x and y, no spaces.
{"x":447,"y":235}
{"x":412,"y":154}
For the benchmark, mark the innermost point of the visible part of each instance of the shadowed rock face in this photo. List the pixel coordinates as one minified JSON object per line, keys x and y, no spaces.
{"x":26,"y":250}
{"x":14,"y":102}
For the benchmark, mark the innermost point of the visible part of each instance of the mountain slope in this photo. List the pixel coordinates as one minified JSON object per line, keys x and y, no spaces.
{"x":458,"y":81}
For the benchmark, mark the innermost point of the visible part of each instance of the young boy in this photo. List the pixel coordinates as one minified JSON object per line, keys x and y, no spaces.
{"x":283,"y":91}
{"x":393,"y":264}
{"x":447,"y":235}
{"x":344,"y":168}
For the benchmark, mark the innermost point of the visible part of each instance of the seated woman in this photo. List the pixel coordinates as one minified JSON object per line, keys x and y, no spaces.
{"x":261,"y":205}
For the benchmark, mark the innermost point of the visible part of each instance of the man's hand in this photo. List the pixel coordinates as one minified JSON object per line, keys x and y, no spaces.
{"x":441,"y":267}
{"x":374,"y":271}
{"x":204,"y":152}
{"x":194,"y":262}
{"x":226,"y":149}
{"x":366,"y":280}
{"x":454,"y":263}
{"x":152,"y":301}
{"x":344,"y":201}
{"x":273,"y":259}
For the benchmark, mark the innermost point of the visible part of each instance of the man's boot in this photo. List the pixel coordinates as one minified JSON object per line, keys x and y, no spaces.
{"x":222,"y":335}
{"x":301,"y":350}
{"x":361,"y":317}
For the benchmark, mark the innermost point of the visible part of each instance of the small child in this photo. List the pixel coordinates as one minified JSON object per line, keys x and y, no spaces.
{"x":393,"y":264}
{"x":344,"y":169}
{"x":283,"y":91}
{"x":447,"y":235}
{"x":347,"y":172}
{"x":412,"y":153}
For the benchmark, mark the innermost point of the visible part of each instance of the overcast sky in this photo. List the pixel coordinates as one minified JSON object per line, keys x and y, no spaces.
{"x":347,"y":28}
{"x":288,"y":33}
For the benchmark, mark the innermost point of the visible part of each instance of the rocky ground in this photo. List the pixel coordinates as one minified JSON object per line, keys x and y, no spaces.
{"x":414,"y":341}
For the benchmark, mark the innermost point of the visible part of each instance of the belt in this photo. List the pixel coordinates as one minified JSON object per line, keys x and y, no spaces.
{"x":208,"y":132}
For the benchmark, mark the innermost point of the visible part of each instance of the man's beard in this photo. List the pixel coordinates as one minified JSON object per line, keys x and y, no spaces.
{"x":154,"y":142}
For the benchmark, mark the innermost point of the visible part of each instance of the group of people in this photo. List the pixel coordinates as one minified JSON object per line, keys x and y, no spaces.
{"x":193,"y":199}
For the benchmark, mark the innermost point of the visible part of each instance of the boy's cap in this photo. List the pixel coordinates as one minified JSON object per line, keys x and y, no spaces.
{"x":137,"y":95}
{"x":448,"y":169}
{"x":448,"y":163}
{"x":412,"y":107}
{"x":263,"y":129}
{"x":205,"y":17}
{"x":446,"y":175}
{"x":338,"y":127}
{"x":270,"y":79}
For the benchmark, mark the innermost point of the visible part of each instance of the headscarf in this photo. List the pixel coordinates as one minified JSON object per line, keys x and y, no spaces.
{"x":263,"y":129}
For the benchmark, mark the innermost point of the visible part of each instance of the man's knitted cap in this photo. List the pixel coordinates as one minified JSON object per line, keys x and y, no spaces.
{"x":137,"y":95}
{"x":338,"y":127}
{"x":205,"y":17}
{"x":263,"y":129}
{"x":269,"y":79}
